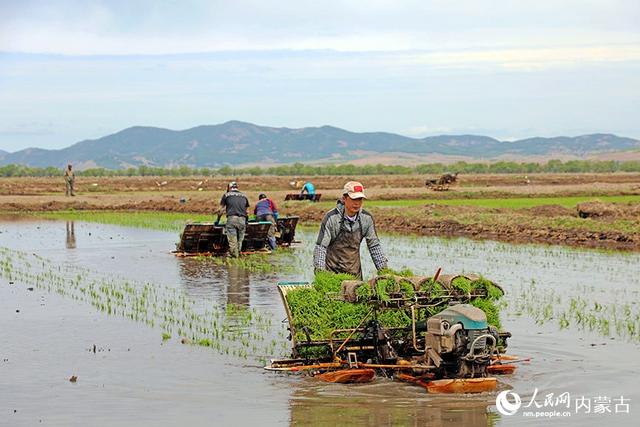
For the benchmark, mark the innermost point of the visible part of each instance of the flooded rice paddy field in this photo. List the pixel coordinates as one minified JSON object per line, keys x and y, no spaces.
{"x":159,"y":340}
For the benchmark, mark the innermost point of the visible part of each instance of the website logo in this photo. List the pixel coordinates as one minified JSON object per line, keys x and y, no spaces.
{"x":506,"y":406}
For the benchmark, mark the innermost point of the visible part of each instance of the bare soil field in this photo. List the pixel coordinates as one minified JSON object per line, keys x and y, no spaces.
{"x":617,"y":227}
{"x":614,"y":183}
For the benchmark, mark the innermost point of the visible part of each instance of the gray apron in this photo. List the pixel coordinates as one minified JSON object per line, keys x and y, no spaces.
{"x":343,"y":253}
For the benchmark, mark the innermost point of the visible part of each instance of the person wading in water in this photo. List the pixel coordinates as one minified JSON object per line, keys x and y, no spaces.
{"x":342,"y":230}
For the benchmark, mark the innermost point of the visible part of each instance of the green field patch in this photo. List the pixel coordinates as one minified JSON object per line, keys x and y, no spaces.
{"x":508,"y":203}
{"x":164,"y":221}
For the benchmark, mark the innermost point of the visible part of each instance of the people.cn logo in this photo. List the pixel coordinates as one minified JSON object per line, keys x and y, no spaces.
{"x":506,"y":406}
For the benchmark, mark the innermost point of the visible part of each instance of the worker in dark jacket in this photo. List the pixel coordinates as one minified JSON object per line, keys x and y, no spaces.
{"x":266,"y":210}
{"x":341,"y":233}
{"x":234,"y":204}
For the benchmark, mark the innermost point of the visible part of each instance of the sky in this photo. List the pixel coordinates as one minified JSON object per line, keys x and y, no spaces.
{"x":74,"y":70}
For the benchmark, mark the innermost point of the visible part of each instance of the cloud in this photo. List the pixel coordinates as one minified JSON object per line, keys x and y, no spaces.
{"x":528,"y":59}
{"x":118,"y":27}
{"x":416,"y":67}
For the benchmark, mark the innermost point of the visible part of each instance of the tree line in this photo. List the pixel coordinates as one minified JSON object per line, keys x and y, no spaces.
{"x":299,"y":169}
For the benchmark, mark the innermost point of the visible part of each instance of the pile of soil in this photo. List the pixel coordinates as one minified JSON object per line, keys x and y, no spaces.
{"x":598,"y":209}
{"x":550,"y":211}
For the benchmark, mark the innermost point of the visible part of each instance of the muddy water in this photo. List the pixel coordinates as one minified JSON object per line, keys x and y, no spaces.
{"x":136,"y":378}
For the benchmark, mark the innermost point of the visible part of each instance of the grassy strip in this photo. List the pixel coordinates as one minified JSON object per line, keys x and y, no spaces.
{"x":164,"y":221}
{"x":174,"y":222}
{"x":501,"y":219}
{"x":507,"y":203}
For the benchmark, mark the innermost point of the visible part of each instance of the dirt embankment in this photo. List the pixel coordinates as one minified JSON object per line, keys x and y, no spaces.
{"x":597,"y":209}
{"x":393,"y":186}
{"x":516,"y":233}
{"x":516,"y":228}
{"x":427,"y":220}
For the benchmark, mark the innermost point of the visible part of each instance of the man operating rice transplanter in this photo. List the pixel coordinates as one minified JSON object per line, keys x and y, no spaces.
{"x":234,"y":204}
{"x":342,"y":230}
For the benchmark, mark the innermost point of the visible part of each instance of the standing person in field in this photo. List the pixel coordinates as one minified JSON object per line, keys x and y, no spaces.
{"x":266,"y":210}
{"x":69,"y":180}
{"x":234,"y":204}
{"x":308,"y":188}
{"x":342,"y":230}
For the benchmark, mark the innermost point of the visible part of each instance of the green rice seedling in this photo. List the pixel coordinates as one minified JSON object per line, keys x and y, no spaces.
{"x":433,"y":288}
{"x":405,"y":272}
{"x":147,"y":303}
{"x":463,"y":284}
{"x":317,"y":311}
{"x":364,"y":292}
{"x":384,"y":287}
{"x":407,"y":289}
{"x":493,"y":292}
{"x":490,"y":309}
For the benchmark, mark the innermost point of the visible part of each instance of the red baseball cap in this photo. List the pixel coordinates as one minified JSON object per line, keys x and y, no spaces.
{"x":354,"y":190}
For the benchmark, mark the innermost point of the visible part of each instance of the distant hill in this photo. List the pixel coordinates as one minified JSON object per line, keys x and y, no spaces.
{"x":239,"y":143}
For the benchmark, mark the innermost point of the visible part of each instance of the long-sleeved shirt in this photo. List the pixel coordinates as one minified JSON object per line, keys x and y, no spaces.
{"x":330,"y":228}
{"x":265,"y":207}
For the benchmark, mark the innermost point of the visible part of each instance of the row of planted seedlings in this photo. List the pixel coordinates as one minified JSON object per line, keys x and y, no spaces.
{"x":282,"y":262}
{"x":549,"y":258}
{"x":233,"y":330}
{"x":617,"y":315}
{"x":610,"y":309}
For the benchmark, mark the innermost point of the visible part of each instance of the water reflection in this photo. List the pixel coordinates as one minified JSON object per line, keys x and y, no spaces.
{"x":383,"y":406}
{"x":238,"y":288}
{"x":564,"y":360}
{"x":228,"y":284}
{"x":71,"y":235}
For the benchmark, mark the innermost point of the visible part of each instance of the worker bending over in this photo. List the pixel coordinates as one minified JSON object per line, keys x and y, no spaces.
{"x":308,"y":188}
{"x":266,"y":210}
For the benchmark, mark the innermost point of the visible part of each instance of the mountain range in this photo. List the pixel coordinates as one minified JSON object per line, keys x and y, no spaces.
{"x":238,"y":143}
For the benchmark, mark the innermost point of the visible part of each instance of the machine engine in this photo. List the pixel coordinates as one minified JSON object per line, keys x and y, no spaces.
{"x":460,"y":342}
